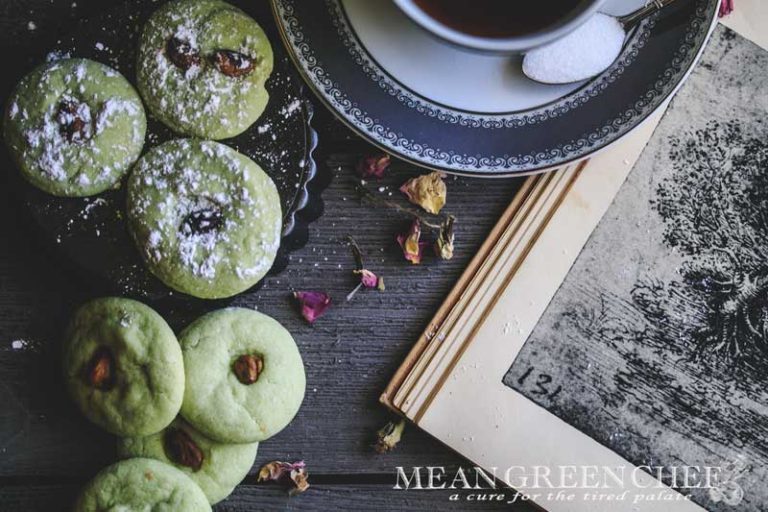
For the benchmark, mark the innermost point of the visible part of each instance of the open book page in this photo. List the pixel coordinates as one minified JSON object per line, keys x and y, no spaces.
{"x":656,"y":344}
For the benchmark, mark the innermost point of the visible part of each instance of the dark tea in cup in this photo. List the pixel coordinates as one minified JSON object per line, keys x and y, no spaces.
{"x":505,"y":26}
{"x":498,"y":18}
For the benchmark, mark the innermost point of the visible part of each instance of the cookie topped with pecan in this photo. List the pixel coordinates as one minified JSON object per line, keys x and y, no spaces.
{"x":74,"y":127}
{"x":216,"y":467}
{"x":202,"y":67}
{"x":206,"y":219}
{"x":245,"y":375}
{"x":123,"y":366}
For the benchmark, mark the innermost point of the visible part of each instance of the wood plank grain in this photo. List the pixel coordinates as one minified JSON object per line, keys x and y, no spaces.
{"x":319,"y":498}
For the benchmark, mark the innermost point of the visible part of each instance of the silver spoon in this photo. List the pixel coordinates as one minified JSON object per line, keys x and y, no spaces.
{"x":587,"y":51}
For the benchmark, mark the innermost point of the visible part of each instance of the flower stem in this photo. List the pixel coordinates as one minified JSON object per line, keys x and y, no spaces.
{"x":353,"y":292}
{"x":370,"y":197}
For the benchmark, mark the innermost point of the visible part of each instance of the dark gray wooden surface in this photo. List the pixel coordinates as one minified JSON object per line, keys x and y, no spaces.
{"x":47,"y":450}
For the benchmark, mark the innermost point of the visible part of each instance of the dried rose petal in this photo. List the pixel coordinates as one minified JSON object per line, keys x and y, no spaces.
{"x":444,"y":242}
{"x":413,"y":248}
{"x":427,"y":191}
{"x":299,"y":477}
{"x":368,"y":278}
{"x":286,"y":473}
{"x":726,"y":7}
{"x":313,"y":304}
{"x":374,"y":166}
{"x":388,"y":437}
{"x":277,"y":471}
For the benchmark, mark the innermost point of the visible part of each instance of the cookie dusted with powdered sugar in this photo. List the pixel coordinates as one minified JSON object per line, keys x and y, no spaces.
{"x":202,"y":66}
{"x":74,"y":127}
{"x":206,"y":219}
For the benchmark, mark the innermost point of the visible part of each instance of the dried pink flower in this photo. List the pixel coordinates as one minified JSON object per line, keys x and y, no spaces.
{"x":368,"y":278}
{"x":313,"y":304}
{"x":293,"y":474}
{"x":374,"y":166}
{"x":413,"y":247}
{"x":726,"y":7}
{"x":427,"y":191}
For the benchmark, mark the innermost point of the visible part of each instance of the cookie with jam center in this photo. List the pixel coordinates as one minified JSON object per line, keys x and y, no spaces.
{"x":206,"y":219}
{"x":216,"y":467}
{"x":202,"y":68}
{"x":245,"y":375}
{"x":141,"y":484}
{"x":123,"y":366}
{"x":74,"y":127}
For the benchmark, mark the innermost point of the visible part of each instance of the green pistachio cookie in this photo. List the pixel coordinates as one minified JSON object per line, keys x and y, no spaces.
{"x":206,"y":219}
{"x":216,"y":467}
{"x":202,"y":66}
{"x":74,"y":127}
{"x":245,"y":374}
{"x":123,"y":366}
{"x":141,"y":485}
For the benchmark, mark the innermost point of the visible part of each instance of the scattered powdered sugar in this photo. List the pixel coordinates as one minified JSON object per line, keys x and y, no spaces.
{"x":92,"y":205}
{"x":154,"y":238}
{"x":113,"y":107}
{"x":25,"y":345}
{"x":291,"y":108}
{"x":187,"y":32}
{"x":586,"y":52}
{"x":19,"y":344}
{"x":56,"y":55}
{"x":80,"y":72}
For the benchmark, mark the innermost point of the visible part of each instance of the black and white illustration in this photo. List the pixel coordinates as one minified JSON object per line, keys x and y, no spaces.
{"x":656,"y":344}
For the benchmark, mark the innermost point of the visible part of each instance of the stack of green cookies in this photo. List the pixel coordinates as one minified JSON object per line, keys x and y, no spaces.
{"x":206,"y":219}
{"x":190,"y":412}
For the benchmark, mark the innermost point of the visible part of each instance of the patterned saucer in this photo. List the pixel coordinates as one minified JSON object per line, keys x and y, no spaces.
{"x":443,"y":107}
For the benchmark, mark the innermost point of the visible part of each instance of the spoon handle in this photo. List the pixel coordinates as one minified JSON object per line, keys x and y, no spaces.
{"x":633,"y":18}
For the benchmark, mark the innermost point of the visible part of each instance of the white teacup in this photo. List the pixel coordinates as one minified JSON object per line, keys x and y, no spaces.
{"x":561,"y":26}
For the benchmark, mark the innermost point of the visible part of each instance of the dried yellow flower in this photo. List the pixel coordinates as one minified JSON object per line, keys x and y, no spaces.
{"x":293,"y":475}
{"x":388,"y":437}
{"x":444,"y":242}
{"x":427,"y":191}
